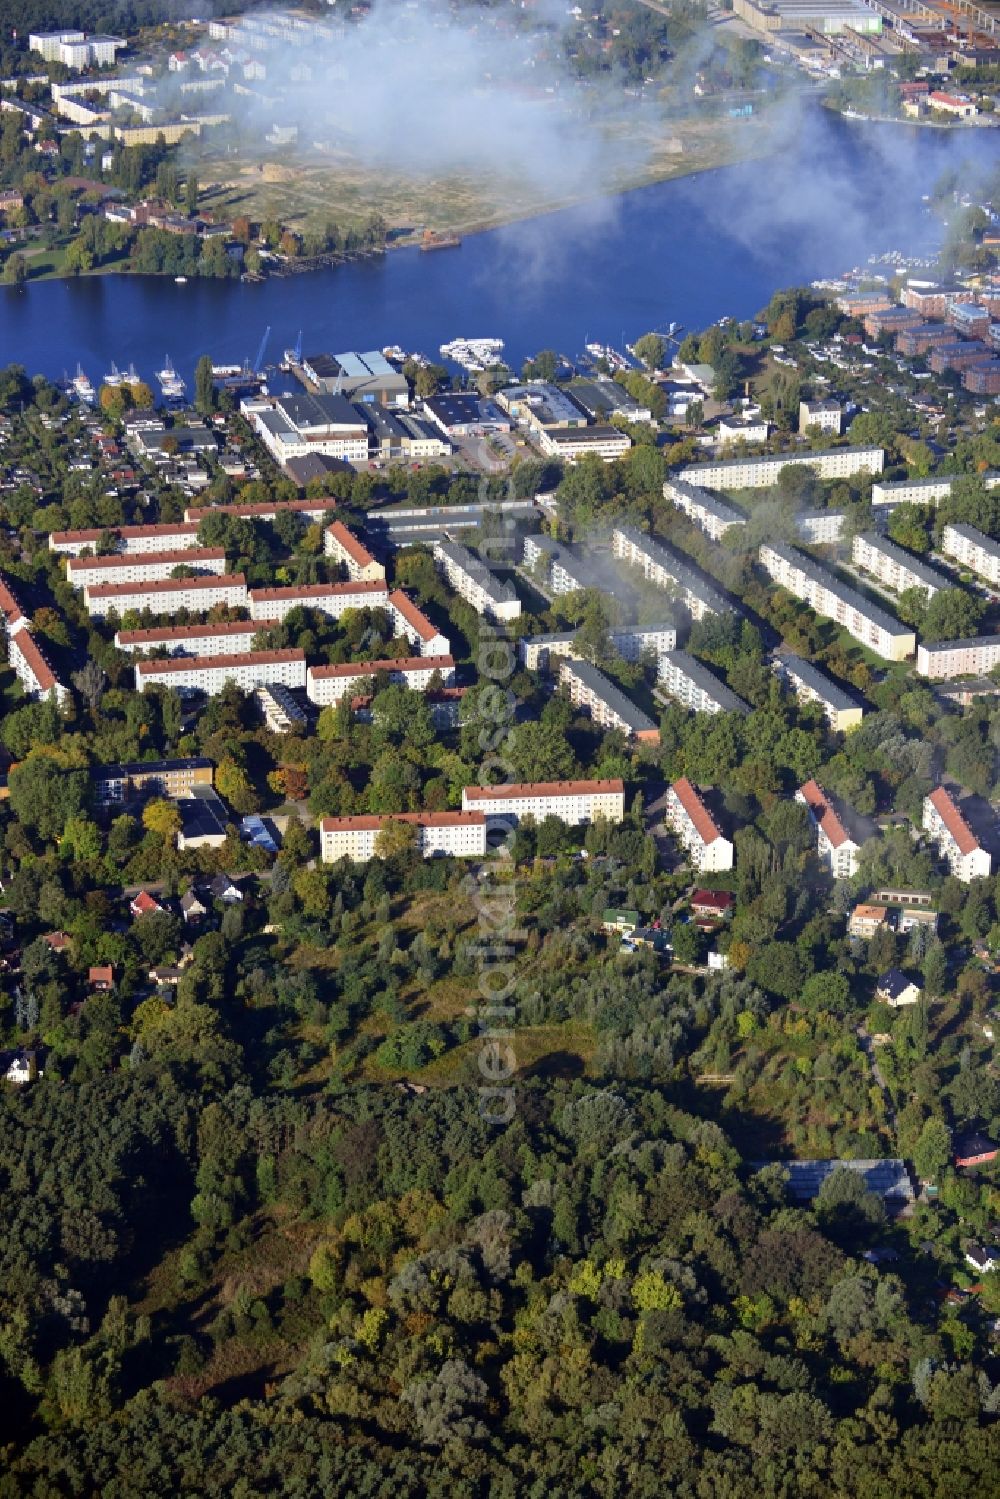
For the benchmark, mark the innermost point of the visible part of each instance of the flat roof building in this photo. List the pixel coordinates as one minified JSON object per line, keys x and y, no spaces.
{"x":115,"y":784}
{"x":760,"y":473}
{"x":825,"y":593}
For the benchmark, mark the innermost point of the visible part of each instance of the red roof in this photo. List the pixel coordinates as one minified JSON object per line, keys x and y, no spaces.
{"x":144,"y":904}
{"x":818,"y":803}
{"x":9,"y":606}
{"x":317,"y":591}
{"x":414,"y":617}
{"x":713,"y":900}
{"x":163,"y":634}
{"x":124,"y":533}
{"x":262,"y":511}
{"x":696,"y":810}
{"x":188,"y":556}
{"x":209,"y":663}
{"x":369,"y":668}
{"x":350,"y":543}
{"x":166,"y":585}
{"x":521,"y":789}
{"x":370,"y":822}
{"x":40,"y":669}
{"x":953,"y":820}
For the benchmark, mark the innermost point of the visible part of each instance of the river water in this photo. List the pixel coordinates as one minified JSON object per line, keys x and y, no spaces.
{"x":689,"y":250}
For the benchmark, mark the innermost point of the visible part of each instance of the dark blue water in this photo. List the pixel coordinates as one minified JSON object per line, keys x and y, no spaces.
{"x":691,"y":250}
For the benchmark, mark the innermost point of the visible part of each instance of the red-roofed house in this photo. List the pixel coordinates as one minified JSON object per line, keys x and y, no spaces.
{"x":144,"y":904}
{"x":101,"y":978}
{"x":711,"y":905}
{"x":957,"y":843}
{"x":696,"y":828}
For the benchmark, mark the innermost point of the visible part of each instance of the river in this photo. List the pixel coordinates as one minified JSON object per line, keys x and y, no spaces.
{"x":691,"y":249}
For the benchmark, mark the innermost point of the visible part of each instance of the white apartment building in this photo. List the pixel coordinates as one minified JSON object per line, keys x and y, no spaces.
{"x":233,"y":639}
{"x":412,"y":622}
{"x":166,"y":597}
{"x":328,"y":684}
{"x":607,"y":704}
{"x":959,"y":658}
{"x":334,"y":599}
{"x":820,"y":528}
{"x":75,"y":49}
{"x":826,"y":415}
{"x":910,"y":492}
{"x":128,"y":539}
{"x":684,"y":677}
{"x":824,"y":593}
{"x":14,"y":618}
{"x":957,"y":844}
{"x":295,"y":426}
{"x":973,"y":549}
{"x":666,"y":568}
{"x":473,"y":581}
{"x":895,"y":567}
{"x":696,"y":829}
{"x":839,"y":833}
{"x":748,"y":429}
{"x":713,"y":515}
{"x":456,"y":835}
{"x":811,"y":685}
{"x":761,"y":473}
{"x":144,"y":567}
{"x":32,"y":669}
{"x":633,"y":641}
{"x":344,"y":546}
{"x":573,"y":802}
{"x":536,"y":652}
{"x":563,"y":571}
{"x":209,"y":674}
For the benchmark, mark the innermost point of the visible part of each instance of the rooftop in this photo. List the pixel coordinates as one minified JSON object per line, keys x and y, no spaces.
{"x":596,"y":682}
{"x":371,"y":822}
{"x":690,"y":799}
{"x":520,"y":790}
{"x":215,"y":663}
{"x":817,"y":681}
{"x":166,"y":585}
{"x":849,"y":597}
{"x":369,"y":668}
{"x":948,"y":811}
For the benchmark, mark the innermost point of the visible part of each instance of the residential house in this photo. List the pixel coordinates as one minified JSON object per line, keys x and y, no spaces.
{"x":896,"y":990}
{"x":193,"y":908}
{"x":972,"y":1148}
{"x":865,"y":920}
{"x":101,"y":978}
{"x":144,"y":904}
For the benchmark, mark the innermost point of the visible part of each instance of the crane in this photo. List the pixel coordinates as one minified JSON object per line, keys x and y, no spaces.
{"x":260,"y":352}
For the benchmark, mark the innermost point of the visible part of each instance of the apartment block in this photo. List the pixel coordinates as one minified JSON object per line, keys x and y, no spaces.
{"x":328,"y":684}
{"x":333,"y":599}
{"x":957,"y":844}
{"x":895,"y":567}
{"x":209,"y":674}
{"x":840,"y":832}
{"x":473,"y":581}
{"x":607,"y":704}
{"x":696,"y":829}
{"x":562,"y":570}
{"x":761,"y":473}
{"x":166,"y":597}
{"x":412,"y":622}
{"x":345,"y":548}
{"x":934,"y":301}
{"x":457,"y":835}
{"x":820,"y":528}
{"x":129,"y":539}
{"x":14,"y":617}
{"x":233,"y":639}
{"x":662,"y":565}
{"x":633,"y":641}
{"x":32,"y":668}
{"x":573,"y":802}
{"x":828,"y":416}
{"x":714,"y":515}
{"x":310,"y":510}
{"x":972,"y":549}
{"x":537,"y":652}
{"x":116,"y":784}
{"x":824,"y":593}
{"x":144,"y":567}
{"x":910,"y":492}
{"x":685,"y":678}
{"x":811,"y":685}
{"x":959,"y":658}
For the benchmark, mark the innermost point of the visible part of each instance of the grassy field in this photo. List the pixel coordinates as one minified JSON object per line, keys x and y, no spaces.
{"x":313,"y":188}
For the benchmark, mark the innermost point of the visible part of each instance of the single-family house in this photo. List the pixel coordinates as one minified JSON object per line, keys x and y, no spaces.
{"x":144,"y":904}
{"x":896,"y":990}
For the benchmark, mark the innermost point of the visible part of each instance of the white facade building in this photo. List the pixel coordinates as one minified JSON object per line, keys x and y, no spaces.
{"x":713,"y":515}
{"x":696,"y":829}
{"x":748,"y":429}
{"x":166,"y":597}
{"x":895,"y":567}
{"x":233,"y":639}
{"x":328,"y":684}
{"x":128,"y":539}
{"x":824,"y":593}
{"x":666,"y":568}
{"x":573,"y":443}
{"x":973,"y":549}
{"x":458,"y":835}
{"x":826,"y":415}
{"x":344,"y":546}
{"x":839,"y":835}
{"x":761,"y":473}
{"x":957,"y":844}
{"x":412,"y":622}
{"x":209,"y":674}
{"x":573,"y":802}
{"x":334,"y":599}
{"x":959,"y":658}
{"x":143,"y":567}
{"x":32,"y":669}
{"x":820,"y":528}
{"x":684,"y":677}
{"x":473,"y":581}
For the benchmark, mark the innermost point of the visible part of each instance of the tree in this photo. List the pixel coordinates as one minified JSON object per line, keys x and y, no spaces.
{"x":15,"y":272}
{"x":396,"y":839}
{"x":651,"y":348}
{"x":44,"y":796}
{"x":233,"y":785}
{"x":932,"y":1151}
{"x":161,"y":817}
{"x":191,"y":192}
{"x":952,"y":614}
{"x":204,"y":386}
{"x":935,"y":970}
{"x":89,"y":682}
